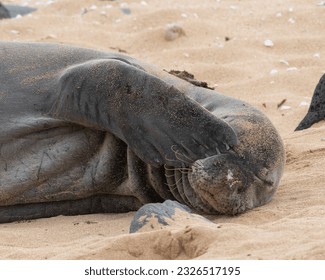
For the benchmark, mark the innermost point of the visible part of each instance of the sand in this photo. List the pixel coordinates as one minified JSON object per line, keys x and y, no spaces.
{"x":261,"y":53}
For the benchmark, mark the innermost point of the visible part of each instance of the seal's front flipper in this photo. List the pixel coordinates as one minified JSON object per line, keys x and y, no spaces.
{"x":152,"y":117}
{"x":316,"y":110}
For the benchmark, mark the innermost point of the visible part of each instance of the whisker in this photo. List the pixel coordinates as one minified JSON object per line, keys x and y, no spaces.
{"x":178,"y":155}
{"x":184,"y":171}
{"x":177,"y":168}
{"x":173,"y":160}
{"x":187,"y":157}
{"x":175,"y":184}
{"x":170,"y":176}
{"x":199,"y":162}
{"x":181,"y":157}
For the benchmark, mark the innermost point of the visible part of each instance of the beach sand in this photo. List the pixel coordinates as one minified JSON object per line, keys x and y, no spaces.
{"x":225,"y":44}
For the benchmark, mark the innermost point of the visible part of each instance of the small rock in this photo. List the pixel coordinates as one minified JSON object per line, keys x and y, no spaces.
{"x":233,"y":7}
{"x":292,"y":69}
{"x":125,"y":8}
{"x":268,"y":43}
{"x":304,"y":103}
{"x":50,"y":36}
{"x":274,"y":72}
{"x":291,"y":20}
{"x":83,"y":11}
{"x":284,"y":62}
{"x":316,"y":55}
{"x":156,"y":216}
{"x":16,"y":32}
{"x":93,"y":8}
{"x":173,"y":31}
{"x":285,"y":107}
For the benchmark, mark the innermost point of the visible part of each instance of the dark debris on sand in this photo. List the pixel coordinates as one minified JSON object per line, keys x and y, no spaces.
{"x":189,"y":78}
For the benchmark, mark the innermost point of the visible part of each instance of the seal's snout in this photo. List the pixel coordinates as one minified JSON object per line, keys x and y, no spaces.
{"x":219,"y":180}
{"x":229,"y":187}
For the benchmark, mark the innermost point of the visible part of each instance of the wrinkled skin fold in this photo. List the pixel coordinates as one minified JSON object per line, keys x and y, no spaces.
{"x":84,"y":131}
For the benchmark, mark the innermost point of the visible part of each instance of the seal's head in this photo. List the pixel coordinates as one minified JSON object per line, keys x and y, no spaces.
{"x":241,"y":178}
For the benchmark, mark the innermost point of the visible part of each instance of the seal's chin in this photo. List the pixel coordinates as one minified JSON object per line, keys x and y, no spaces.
{"x":227,"y":185}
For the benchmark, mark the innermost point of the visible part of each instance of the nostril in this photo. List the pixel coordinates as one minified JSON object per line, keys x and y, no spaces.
{"x":271,"y":178}
{"x":227,"y":146}
{"x":267,"y":177}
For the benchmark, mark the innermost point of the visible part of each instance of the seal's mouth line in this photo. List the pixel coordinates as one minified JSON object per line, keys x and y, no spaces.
{"x":264,"y":181}
{"x":236,"y":208}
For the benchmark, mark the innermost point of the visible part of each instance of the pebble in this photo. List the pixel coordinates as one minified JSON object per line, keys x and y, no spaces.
{"x":284,"y":62}
{"x":274,"y":72}
{"x":173,"y":31}
{"x":285,"y":107}
{"x":233,"y":7}
{"x":268,"y":43}
{"x":50,"y":36}
{"x":292,"y":69}
{"x":83,"y":11}
{"x":303,"y":104}
{"x":125,"y":8}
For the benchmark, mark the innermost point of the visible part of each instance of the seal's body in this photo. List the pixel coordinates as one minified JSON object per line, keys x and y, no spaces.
{"x":85,"y":131}
{"x":316,"y":111}
{"x":4,"y":13}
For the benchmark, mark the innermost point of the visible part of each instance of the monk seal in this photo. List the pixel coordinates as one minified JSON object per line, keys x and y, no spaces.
{"x":4,"y":13}
{"x":12,"y":11}
{"x":316,"y":110}
{"x":85,"y":131}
